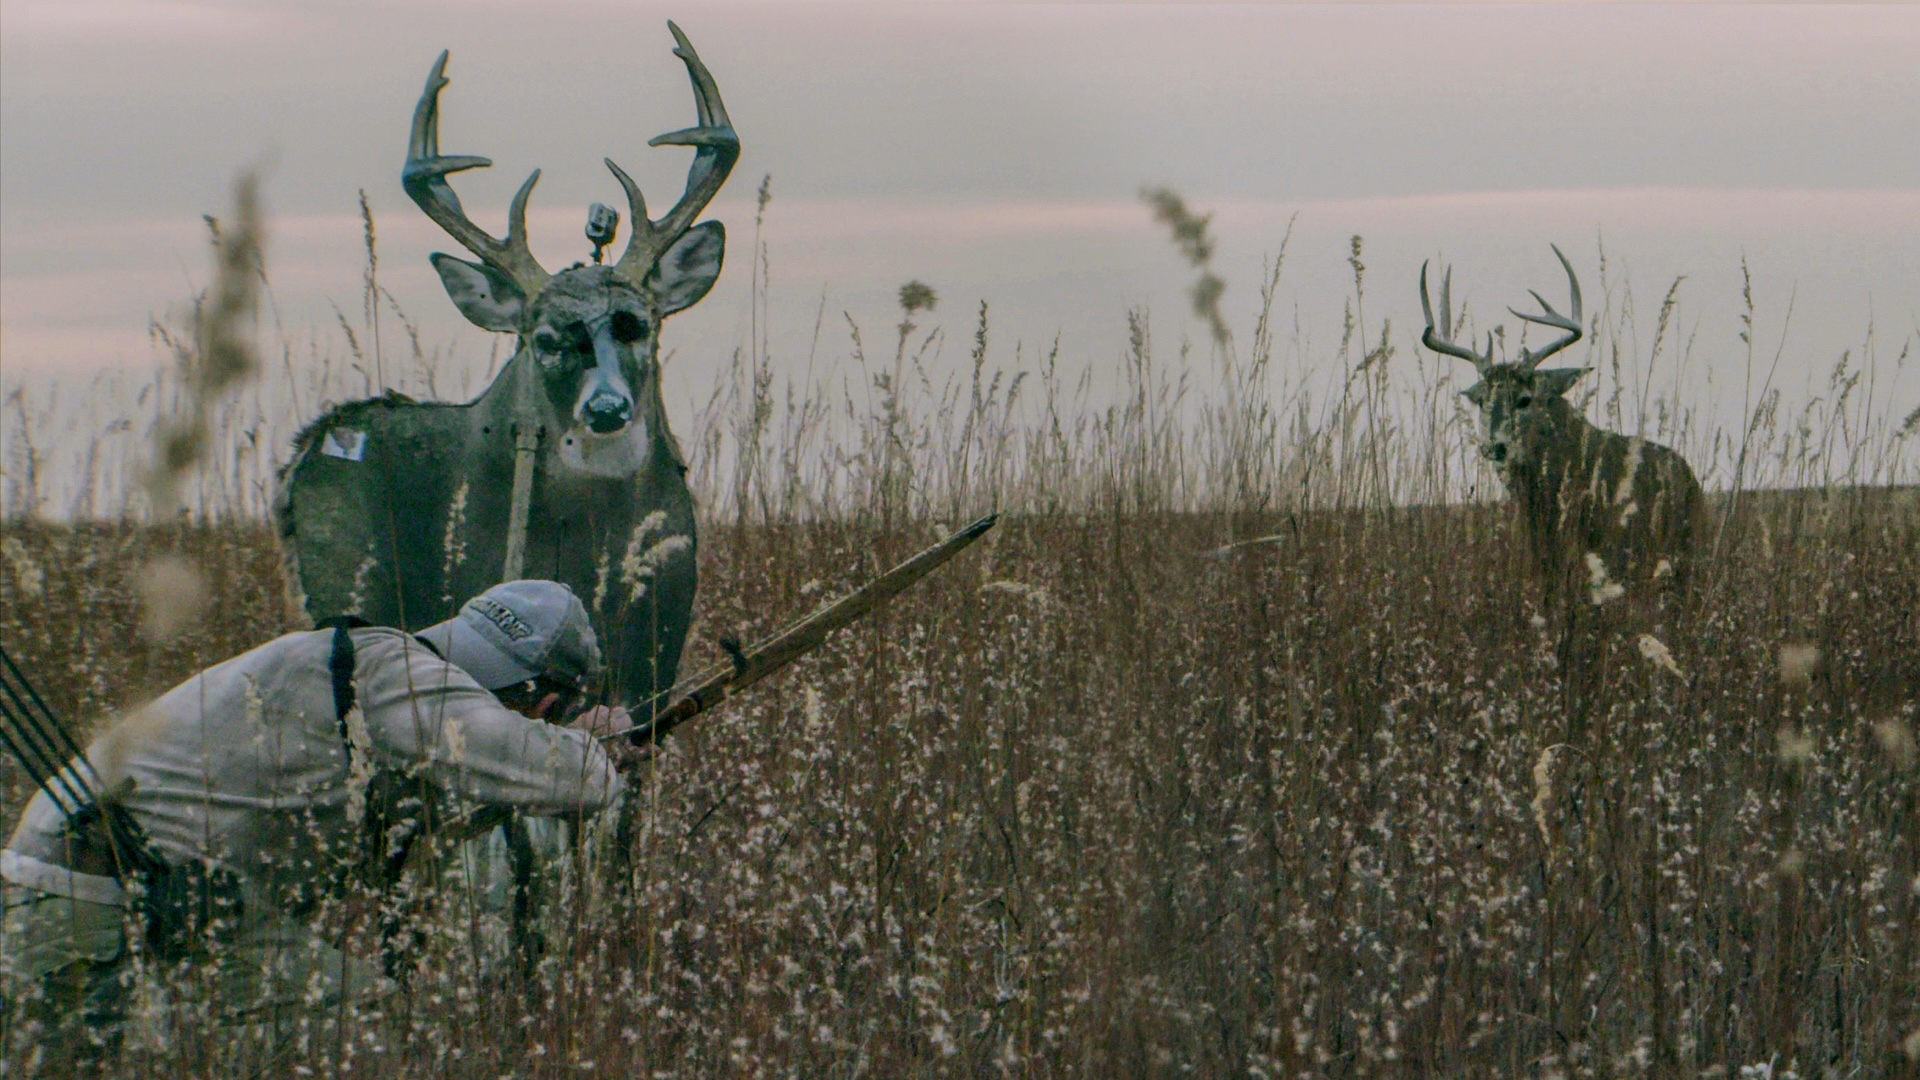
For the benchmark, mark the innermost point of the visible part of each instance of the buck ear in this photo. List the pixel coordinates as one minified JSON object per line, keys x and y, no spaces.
{"x":1558,"y":381}
{"x":689,"y":268}
{"x":1477,"y":393}
{"x":488,"y":298}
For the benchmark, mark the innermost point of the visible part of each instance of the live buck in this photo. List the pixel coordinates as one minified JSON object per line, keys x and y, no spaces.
{"x":398,"y":511}
{"x":1583,"y":493}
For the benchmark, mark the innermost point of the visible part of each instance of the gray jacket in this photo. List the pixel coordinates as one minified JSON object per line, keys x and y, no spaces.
{"x":244,"y":763}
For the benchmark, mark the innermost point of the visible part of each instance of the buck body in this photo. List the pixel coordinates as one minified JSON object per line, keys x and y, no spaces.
{"x":1583,"y":493}
{"x":398,"y":512}
{"x":1581,"y":490}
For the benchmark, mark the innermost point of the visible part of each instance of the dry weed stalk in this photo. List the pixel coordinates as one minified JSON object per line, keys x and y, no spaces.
{"x":1107,"y":809}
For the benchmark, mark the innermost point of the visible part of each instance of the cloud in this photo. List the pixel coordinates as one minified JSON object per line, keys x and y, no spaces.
{"x":103,"y":21}
{"x":61,"y":306}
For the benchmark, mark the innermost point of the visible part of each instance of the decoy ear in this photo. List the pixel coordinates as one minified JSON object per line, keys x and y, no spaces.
{"x":488,"y":298}
{"x":689,"y":268}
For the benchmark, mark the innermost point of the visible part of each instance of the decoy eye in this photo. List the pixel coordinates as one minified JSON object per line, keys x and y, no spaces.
{"x":1524,"y":400}
{"x":627,"y":327}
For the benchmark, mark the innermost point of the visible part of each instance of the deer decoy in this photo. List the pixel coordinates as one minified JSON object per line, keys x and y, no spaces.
{"x":565,"y":468}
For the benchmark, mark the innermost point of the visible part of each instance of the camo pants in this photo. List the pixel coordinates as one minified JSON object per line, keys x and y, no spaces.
{"x":70,"y":976}
{"x":61,"y":960}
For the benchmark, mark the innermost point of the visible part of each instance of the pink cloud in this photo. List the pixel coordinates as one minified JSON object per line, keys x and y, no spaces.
{"x":58,"y":308}
{"x":141,"y":21}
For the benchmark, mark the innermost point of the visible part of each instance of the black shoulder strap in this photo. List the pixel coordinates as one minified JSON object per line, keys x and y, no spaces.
{"x":384,"y":850}
{"x":340,"y":666}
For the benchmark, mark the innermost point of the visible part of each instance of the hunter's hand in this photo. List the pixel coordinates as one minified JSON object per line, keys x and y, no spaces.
{"x":602,"y":721}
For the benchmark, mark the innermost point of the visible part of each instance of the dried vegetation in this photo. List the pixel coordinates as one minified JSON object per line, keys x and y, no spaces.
{"x":1217,"y":757}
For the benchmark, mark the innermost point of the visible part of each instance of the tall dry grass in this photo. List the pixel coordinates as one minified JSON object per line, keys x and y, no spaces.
{"x":1101,"y":798}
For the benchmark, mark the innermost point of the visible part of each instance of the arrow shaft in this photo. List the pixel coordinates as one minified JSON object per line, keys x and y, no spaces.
{"x":790,"y":643}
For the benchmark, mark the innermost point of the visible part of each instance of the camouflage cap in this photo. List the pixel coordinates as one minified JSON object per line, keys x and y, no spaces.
{"x":520,"y":630}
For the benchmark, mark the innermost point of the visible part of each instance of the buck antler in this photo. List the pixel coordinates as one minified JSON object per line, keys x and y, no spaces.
{"x":425,"y":178}
{"x":1550,"y":317}
{"x":717,"y":147}
{"x":1440,"y":339}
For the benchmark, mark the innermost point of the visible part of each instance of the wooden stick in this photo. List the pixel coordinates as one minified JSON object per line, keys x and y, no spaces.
{"x":526,"y":444}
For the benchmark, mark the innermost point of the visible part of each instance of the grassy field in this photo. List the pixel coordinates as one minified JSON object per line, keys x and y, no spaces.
{"x":1103,"y":799}
{"x":1089,"y":802}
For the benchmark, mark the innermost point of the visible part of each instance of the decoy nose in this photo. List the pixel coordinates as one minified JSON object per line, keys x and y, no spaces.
{"x":608,"y":414}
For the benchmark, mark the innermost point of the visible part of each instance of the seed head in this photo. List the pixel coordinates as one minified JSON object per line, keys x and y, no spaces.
{"x":1659,"y":655}
{"x":1896,"y":738}
{"x":1796,"y":746}
{"x":1798,"y":660}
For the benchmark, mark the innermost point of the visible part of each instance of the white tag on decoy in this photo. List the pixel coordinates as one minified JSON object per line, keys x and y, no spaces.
{"x":345,"y":443}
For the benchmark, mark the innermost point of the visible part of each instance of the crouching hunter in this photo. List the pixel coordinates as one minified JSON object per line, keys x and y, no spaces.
{"x":268,"y":783}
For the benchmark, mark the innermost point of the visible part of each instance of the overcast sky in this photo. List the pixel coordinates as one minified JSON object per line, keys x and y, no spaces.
{"x":994,"y":150}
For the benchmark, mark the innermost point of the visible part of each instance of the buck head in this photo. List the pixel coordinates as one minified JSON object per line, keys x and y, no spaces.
{"x":1522,"y":410}
{"x":1522,"y":405}
{"x":592,"y":330}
